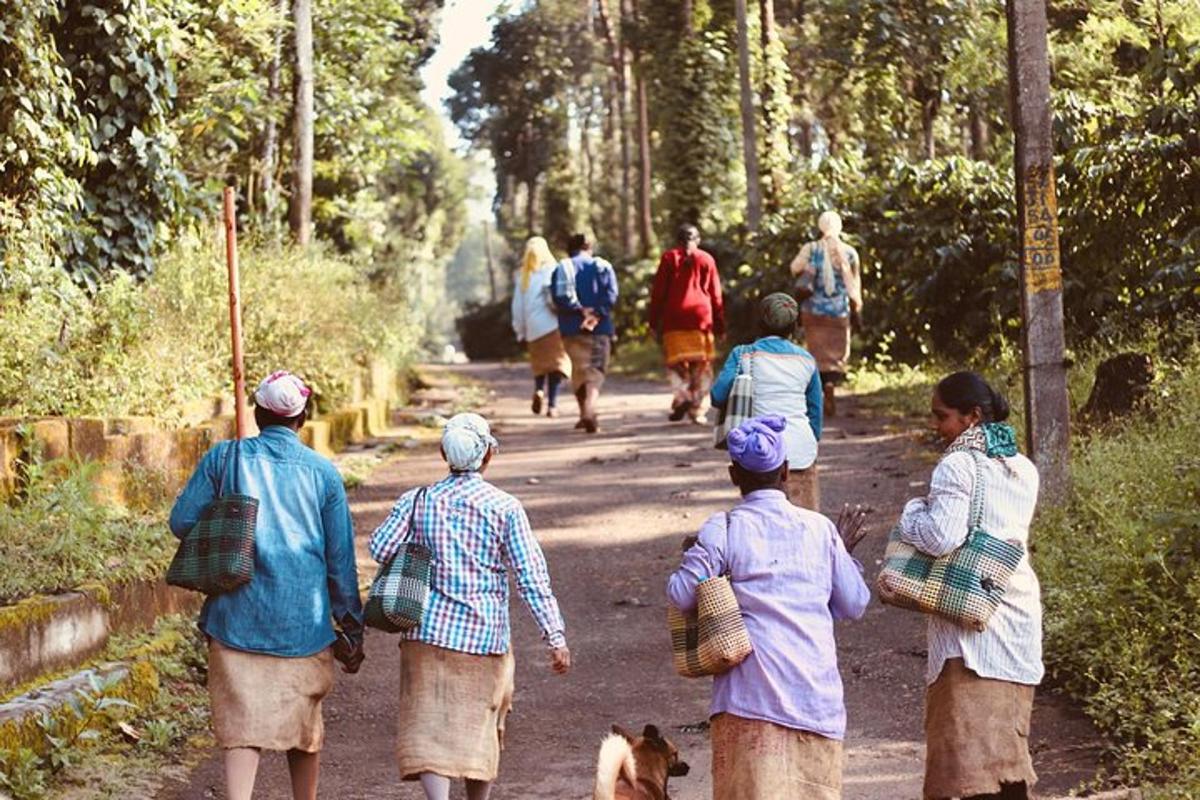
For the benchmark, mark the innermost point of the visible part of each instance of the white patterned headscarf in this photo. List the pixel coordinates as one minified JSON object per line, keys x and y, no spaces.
{"x":830,"y":225}
{"x":466,"y":440}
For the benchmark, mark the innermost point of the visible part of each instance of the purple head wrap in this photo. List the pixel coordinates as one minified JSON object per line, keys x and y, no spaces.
{"x":757,"y":444}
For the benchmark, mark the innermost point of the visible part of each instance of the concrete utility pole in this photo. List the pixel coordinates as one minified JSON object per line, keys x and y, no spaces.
{"x":1047,"y":407}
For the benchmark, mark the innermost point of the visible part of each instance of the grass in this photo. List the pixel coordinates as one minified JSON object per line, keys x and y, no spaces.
{"x":60,"y":535}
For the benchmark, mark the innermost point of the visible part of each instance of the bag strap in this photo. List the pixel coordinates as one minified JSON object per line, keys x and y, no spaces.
{"x":412,"y":517}
{"x":975,"y":519}
{"x":728,"y":573}
{"x":232,"y":453}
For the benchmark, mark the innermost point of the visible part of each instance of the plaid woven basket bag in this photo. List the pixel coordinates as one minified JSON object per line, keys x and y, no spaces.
{"x":740,"y":405}
{"x":217,"y":554}
{"x":965,"y":586}
{"x":399,"y":594}
{"x":713,"y":639}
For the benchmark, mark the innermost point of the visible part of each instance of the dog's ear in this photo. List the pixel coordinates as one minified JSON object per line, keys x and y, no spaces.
{"x":650,"y":732}
{"x":624,"y":734}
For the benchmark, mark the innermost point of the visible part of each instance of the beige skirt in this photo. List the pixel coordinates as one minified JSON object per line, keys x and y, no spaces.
{"x":453,"y":707}
{"x":589,"y":354}
{"x":756,"y":760}
{"x":976,"y":734}
{"x":828,"y":339}
{"x":268,"y":702}
{"x":547,"y":355}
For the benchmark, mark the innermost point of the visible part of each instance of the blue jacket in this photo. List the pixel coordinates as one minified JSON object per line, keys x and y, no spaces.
{"x":304,"y":566}
{"x":594,"y":286}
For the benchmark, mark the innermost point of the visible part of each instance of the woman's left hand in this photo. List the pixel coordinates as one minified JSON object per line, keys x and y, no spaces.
{"x":560,"y":660}
{"x":851,"y":525}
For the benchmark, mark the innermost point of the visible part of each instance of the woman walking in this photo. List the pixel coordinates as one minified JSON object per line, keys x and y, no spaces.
{"x":456,"y":669}
{"x":535,"y":320}
{"x":270,"y":661}
{"x":980,"y":685}
{"x":829,"y":283}
{"x":778,"y":718}
{"x":786,"y":383}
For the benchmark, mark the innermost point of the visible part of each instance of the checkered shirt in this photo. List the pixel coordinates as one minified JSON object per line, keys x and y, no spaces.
{"x":477,"y":533}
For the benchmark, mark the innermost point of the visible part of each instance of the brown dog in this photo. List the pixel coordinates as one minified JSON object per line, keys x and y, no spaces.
{"x":636,"y":767}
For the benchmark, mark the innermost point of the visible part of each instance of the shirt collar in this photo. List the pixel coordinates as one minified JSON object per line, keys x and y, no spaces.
{"x":765,"y":496}
{"x":278,"y":432}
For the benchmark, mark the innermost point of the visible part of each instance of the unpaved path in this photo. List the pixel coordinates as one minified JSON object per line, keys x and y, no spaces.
{"x":610,"y":511}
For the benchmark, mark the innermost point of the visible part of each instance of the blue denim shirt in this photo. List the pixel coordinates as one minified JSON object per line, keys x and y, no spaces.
{"x":304,"y":567}
{"x":594,"y":287}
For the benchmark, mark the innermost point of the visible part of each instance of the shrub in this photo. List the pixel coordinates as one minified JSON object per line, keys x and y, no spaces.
{"x":1120,"y":568}
{"x":134,"y":348}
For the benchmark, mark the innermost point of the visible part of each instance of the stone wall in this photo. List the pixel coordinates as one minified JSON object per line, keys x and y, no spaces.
{"x":142,"y":461}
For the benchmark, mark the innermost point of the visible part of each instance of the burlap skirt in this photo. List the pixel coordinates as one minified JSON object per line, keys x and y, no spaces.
{"x":828,"y":339}
{"x":453,"y":707}
{"x":268,"y":702}
{"x":590,"y":354}
{"x":976,"y":734}
{"x":756,"y":760}
{"x":680,"y":347}
{"x":547,"y":355}
{"x":803,"y":488}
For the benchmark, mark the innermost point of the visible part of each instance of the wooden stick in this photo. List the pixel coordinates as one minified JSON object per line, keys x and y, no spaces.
{"x":235,"y":310}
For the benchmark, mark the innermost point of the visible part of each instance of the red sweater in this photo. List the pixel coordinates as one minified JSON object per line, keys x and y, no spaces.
{"x":687,"y":294}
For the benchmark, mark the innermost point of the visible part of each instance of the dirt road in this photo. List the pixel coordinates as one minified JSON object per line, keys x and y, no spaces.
{"x":610,"y":511}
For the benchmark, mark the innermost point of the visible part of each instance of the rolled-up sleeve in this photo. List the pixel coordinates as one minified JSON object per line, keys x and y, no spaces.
{"x":937,"y":525}
{"x":340,"y":562}
{"x":703,"y":560}
{"x":527,"y":560}
{"x":850,"y":594}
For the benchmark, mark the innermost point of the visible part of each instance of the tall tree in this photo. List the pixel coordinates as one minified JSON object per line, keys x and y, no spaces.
{"x":749,"y":126}
{"x":300,"y":208}
{"x":620,"y":83}
{"x":270,"y":139}
{"x":645,"y":187}
{"x":775,"y":109}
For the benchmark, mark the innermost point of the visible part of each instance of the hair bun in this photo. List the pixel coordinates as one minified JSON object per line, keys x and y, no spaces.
{"x":1000,"y":407}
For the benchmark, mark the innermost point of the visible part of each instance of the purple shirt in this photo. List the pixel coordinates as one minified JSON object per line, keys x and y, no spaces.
{"x":792,"y":577}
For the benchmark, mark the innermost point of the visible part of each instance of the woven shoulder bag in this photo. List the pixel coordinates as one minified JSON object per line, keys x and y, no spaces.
{"x":399,"y":595}
{"x":964,"y":587}
{"x":217,"y":554}
{"x":713,"y":639}
{"x":740,"y":405}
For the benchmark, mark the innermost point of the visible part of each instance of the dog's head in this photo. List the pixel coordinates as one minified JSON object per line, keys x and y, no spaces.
{"x":652,"y":743}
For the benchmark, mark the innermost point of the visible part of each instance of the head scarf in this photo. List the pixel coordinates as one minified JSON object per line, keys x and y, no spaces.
{"x":282,"y":393}
{"x":830,"y":224}
{"x":778,"y":311}
{"x":757,"y":444}
{"x":537,"y":255}
{"x":466,"y":439}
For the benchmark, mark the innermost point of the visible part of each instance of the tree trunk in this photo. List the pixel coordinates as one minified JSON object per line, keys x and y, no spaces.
{"x":929,"y":109}
{"x":774,"y":138}
{"x":270,"y":141}
{"x":749,"y":134}
{"x":531,"y":205}
{"x":300,"y":210}
{"x":978,"y":130}
{"x":645,"y":217}
{"x":689,"y":18}
{"x":616,"y":52}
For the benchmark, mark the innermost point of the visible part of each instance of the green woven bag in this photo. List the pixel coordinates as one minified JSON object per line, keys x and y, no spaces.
{"x":966,"y":586}
{"x":217,"y":554}
{"x":399,"y":594}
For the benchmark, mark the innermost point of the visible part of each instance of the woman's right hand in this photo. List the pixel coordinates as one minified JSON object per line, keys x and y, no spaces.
{"x":560,"y":660}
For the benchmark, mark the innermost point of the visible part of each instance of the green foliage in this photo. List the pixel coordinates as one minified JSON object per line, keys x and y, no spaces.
{"x":1120,"y":571}
{"x":112,"y":353}
{"x":60,"y":535}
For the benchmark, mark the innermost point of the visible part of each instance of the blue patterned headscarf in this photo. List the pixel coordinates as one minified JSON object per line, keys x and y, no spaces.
{"x":466,"y":440}
{"x":757,"y":444}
